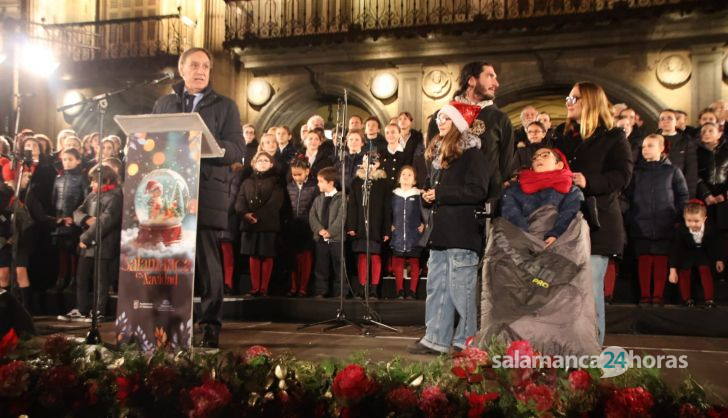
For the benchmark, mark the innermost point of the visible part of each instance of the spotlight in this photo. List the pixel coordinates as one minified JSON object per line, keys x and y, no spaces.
{"x":38,"y":59}
{"x":73,"y":96}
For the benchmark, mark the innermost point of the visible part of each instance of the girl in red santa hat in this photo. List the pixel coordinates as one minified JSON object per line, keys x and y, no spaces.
{"x":156,"y":203}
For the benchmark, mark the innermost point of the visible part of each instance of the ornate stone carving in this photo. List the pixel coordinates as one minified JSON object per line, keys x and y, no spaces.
{"x":436,"y":83}
{"x":674,"y":70}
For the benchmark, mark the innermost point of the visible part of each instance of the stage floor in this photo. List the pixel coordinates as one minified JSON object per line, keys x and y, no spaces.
{"x":707,"y":357}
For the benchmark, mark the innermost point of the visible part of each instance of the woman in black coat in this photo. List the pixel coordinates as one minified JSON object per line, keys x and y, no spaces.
{"x":601,"y":160}
{"x":681,"y":149}
{"x":713,"y":174}
{"x":458,"y":186}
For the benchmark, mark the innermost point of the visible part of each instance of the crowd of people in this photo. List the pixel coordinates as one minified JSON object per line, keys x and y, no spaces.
{"x":409,"y":199}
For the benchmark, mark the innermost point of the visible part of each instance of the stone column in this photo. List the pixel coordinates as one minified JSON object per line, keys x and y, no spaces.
{"x":706,"y":76}
{"x":410,"y":92}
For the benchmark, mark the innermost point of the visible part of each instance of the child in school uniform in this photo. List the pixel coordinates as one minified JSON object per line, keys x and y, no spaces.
{"x":302,"y":190}
{"x":259,"y":203}
{"x":326,"y":219}
{"x":696,"y":244}
{"x":392,"y":157}
{"x":407,"y":228}
{"x":352,"y":160}
{"x":379,"y":219}
{"x":70,"y":189}
{"x":110,"y":223}
{"x":657,"y":195}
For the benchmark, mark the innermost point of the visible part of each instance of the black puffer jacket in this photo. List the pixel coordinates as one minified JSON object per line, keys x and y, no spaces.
{"x":112,"y":205}
{"x":297,"y":229}
{"x":222,"y":118}
{"x":682,"y":154}
{"x":459,"y":191}
{"x":713,"y":180}
{"x":657,"y":195}
{"x":262,"y":195}
{"x":69,"y":190}
{"x":605,"y":160}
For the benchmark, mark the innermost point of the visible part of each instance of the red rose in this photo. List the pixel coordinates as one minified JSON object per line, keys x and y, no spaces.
{"x":57,"y":347}
{"x":208,"y":399}
{"x":8,"y":343}
{"x":478,"y":403}
{"x":14,"y":378}
{"x":717,"y":412}
{"x":688,"y":410}
{"x":126,"y":386}
{"x":519,"y":350}
{"x":59,"y":385}
{"x":402,"y":399}
{"x":352,"y":383}
{"x":256,"y":351}
{"x":433,"y":402}
{"x":629,"y":403}
{"x":539,"y":397}
{"x":579,"y":380}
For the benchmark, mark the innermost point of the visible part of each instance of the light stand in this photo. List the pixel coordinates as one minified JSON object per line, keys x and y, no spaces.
{"x":340,"y":320}
{"x":369,"y":316}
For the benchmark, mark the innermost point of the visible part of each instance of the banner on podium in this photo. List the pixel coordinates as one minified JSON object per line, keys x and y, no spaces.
{"x":157,"y":265}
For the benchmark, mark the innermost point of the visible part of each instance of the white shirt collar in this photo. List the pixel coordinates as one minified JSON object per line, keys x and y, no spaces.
{"x":698,"y":236}
{"x":331,"y":193}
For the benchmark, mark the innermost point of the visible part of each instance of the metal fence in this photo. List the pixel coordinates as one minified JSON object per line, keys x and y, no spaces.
{"x":118,"y":38}
{"x":248,"y":21}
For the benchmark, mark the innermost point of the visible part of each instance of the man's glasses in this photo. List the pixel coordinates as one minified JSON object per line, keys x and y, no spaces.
{"x":571,"y":100}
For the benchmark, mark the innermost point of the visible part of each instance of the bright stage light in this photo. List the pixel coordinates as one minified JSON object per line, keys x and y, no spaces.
{"x":38,"y":59}
{"x":259,"y":92}
{"x":384,"y":86}
{"x":73,"y":96}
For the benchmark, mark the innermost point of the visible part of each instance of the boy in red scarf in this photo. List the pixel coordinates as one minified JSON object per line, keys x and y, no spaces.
{"x":549,"y":181}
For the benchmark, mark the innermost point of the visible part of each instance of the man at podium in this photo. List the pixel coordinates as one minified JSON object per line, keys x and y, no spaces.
{"x":221,"y":115}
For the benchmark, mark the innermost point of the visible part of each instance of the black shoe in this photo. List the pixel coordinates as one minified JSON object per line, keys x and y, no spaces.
{"x":418,"y":348}
{"x":608,"y":299}
{"x":291,"y":293}
{"x":210,"y":337}
{"x":645,"y":302}
{"x":658,"y":302}
{"x":709,"y":304}
{"x":690,"y":303}
{"x":227,"y":290}
{"x":320,"y":296}
{"x":400,"y":295}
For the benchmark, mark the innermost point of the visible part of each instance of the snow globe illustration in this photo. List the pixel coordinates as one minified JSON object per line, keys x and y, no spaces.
{"x":160,"y":204}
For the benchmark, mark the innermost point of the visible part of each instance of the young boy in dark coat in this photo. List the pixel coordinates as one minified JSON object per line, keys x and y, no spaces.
{"x":696,"y":244}
{"x":69,"y":191}
{"x":302,"y":191}
{"x":657,"y":195}
{"x":326,"y":219}
{"x":259,"y":202}
{"x":110,"y":224}
{"x":379,"y":219}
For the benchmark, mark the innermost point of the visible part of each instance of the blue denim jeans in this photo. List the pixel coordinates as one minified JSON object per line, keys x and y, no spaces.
{"x":451,"y":288}
{"x":599,"y":268}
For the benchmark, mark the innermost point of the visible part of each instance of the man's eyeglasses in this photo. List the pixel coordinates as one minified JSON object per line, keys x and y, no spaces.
{"x":572,"y":99}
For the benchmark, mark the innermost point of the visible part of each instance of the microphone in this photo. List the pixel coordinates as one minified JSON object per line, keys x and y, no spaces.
{"x":167,"y":76}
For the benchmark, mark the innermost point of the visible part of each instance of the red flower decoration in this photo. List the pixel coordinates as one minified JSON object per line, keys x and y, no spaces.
{"x":57,"y":346}
{"x":402,"y":399}
{"x":14,"y":378}
{"x":579,"y":380}
{"x":434,"y":402}
{"x":629,"y":403}
{"x":256,"y":351}
{"x":352,"y":383}
{"x":478,"y":403}
{"x":540,"y":397}
{"x":59,"y":385}
{"x":126,"y":386}
{"x":92,"y":392}
{"x":717,"y":412}
{"x":8,"y":343}
{"x":208,"y":399}
{"x":518,"y":350}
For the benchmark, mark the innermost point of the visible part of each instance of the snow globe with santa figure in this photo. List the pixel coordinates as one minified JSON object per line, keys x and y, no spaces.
{"x":160,"y":205}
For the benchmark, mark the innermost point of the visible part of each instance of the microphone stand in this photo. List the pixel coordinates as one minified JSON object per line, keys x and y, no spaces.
{"x":369,"y":315}
{"x":340,"y":320}
{"x":98,"y":105}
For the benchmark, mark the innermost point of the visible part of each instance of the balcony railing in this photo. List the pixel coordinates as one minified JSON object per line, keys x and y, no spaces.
{"x":252,"y":21}
{"x":118,"y":38}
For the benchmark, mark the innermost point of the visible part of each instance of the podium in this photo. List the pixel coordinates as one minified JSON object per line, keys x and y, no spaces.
{"x":159,"y":224}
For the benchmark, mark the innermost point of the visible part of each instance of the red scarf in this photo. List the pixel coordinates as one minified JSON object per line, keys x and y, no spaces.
{"x":106,"y":188}
{"x":532,"y":182}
